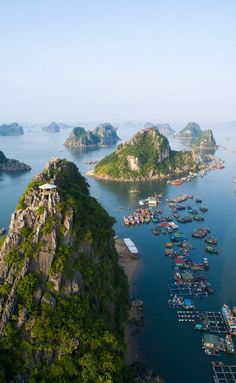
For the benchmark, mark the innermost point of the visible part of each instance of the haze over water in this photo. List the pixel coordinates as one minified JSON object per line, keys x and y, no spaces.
{"x":173,"y":349}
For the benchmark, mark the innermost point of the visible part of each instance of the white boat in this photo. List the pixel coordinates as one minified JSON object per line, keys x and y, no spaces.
{"x":229,"y":319}
{"x":131,"y":247}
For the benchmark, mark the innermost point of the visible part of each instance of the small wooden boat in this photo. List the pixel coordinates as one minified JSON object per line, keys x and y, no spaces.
{"x":211,"y":241}
{"x":211,"y":250}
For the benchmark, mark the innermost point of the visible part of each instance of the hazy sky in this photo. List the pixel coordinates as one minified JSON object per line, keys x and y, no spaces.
{"x":72,"y":60}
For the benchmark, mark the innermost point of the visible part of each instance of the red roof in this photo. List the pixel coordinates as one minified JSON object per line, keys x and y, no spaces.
{"x":179,"y":260}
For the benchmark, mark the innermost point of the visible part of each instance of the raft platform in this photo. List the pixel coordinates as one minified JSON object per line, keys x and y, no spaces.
{"x":187,"y":290}
{"x":223,"y":373}
{"x":211,"y":321}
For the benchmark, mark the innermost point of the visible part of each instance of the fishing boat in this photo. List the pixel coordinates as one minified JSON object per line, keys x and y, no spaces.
{"x":176,"y":182}
{"x":204,"y":209}
{"x":211,"y":241}
{"x":205,"y":262}
{"x":229,"y":344}
{"x":134,"y":191}
{"x":198,"y":200}
{"x":211,"y":250}
{"x":201,"y":232}
{"x":229,"y":319}
{"x":198,"y":218}
{"x":131,"y":247}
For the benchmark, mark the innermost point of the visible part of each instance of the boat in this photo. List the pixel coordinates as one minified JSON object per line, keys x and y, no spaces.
{"x":229,"y":319}
{"x":204,"y":209}
{"x":176,"y":182}
{"x":201,"y":232}
{"x":205,"y":262}
{"x":131,"y":247}
{"x":211,"y":241}
{"x":198,"y":218}
{"x":229,"y":344}
{"x":211,"y":250}
{"x":198,"y":200}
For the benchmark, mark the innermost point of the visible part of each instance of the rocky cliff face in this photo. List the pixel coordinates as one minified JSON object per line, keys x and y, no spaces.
{"x":191,"y":132}
{"x":147,"y":155}
{"x":13,"y":129}
{"x":62,"y":295}
{"x":52,"y":128}
{"x":206,"y":141}
{"x":107,"y":134}
{"x":104,"y":134}
{"x":10,"y":165}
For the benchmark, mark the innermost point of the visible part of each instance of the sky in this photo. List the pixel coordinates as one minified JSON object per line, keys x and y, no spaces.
{"x":126,"y":60}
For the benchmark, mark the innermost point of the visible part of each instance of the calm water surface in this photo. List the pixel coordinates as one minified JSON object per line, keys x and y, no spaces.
{"x":173,"y":349}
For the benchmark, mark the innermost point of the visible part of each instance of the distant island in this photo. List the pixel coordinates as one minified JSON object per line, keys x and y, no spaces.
{"x":205,"y":141}
{"x":199,"y":139}
{"x":147,"y":155}
{"x":165,"y":129}
{"x":103,"y":135}
{"x":13,"y":129}
{"x":11,"y":165}
{"x":52,"y":128}
{"x":191,"y":132}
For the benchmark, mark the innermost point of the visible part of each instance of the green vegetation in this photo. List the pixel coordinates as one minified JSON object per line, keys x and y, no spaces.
{"x":152,"y":155}
{"x":68,"y":335}
{"x":104,"y":134}
{"x":205,"y":141}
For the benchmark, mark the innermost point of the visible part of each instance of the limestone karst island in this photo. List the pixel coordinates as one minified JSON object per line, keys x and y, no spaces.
{"x":147,"y":155}
{"x":63,"y":295}
{"x":103,"y":135}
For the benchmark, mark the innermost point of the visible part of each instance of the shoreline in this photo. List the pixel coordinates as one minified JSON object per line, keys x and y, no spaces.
{"x":130,"y":267}
{"x":90,"y":173}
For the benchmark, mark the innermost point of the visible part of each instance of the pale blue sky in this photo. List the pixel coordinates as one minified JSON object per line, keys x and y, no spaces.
{"x":155,"y":60}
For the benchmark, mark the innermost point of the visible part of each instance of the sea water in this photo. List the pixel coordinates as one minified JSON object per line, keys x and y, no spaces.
{"x":171,"y":348}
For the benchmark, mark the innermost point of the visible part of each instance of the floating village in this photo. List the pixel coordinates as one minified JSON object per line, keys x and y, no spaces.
{"x":190,"y":281}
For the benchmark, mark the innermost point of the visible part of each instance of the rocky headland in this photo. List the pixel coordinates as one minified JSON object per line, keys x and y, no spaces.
{"x":9,"y":165}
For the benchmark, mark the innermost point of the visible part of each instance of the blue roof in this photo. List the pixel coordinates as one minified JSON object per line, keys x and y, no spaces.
{"x":188,"y":302}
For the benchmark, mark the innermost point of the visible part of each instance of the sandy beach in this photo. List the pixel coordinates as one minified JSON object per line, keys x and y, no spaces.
{"x":130,"y":266}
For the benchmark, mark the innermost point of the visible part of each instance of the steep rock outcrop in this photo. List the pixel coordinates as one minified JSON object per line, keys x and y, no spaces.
{"x":13,"y":129}
{"x":52,"y":128}
{"x":191,"y":132}
{"x":147,"y":155}
{"x":9,"y":165}
{"x":205,"y":141}
{"x":63,"y":296}
{"x":102,"y":135}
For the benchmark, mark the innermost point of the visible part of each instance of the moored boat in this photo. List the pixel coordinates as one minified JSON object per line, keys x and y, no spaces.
{"x":229,"y":319}
{"x":211,"y":250}
{"x":131,"y":247}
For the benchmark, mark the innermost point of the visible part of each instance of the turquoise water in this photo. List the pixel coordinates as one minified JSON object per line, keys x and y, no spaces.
{"x":173,"y":349}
